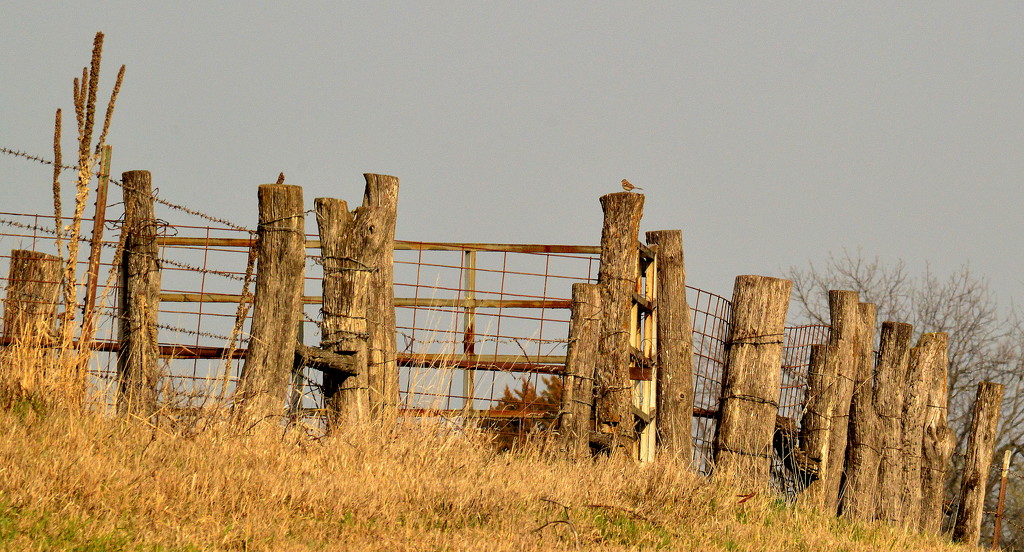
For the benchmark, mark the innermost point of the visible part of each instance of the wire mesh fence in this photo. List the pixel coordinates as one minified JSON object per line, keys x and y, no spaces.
{"x":482,"y":328}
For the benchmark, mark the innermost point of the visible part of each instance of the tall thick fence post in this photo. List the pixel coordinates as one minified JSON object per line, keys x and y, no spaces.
{"x":374,"y":234}
{"x":890,"y":379}
{"x":829,"y":397}
{"x":939,"y":441}
{"x":981,"y":445}
{"x":617,"y":278}
{"x":675,"y":349}
{"x":138,"y":356}
{"x":581,"y":357}
{"x":750,"y":388}
{"x":277,"y":306}
{"x":913,"y":428}
{"x":862,"y":456}
{"x":30,"y":315}
{"x":346,"y":289}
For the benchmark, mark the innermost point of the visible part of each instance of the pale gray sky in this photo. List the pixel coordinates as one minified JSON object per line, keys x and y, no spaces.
{"x":770,"y":133}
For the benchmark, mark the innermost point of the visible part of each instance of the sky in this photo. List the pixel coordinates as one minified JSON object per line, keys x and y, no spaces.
{"x":770,"y":133}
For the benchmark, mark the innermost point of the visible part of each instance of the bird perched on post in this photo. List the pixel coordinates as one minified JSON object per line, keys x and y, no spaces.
{"x":629,"y":187}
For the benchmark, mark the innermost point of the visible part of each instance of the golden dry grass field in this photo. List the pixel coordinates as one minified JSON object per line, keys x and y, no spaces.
{"x":86,"y":481}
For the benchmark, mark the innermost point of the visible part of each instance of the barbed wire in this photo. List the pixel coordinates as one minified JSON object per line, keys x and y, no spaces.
{"x":37,"y":159}
{"x":198,"y":333}
{"x":156,"y":198}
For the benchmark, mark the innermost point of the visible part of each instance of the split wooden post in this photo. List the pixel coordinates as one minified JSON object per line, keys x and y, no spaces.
{"x":30,"y":315}
{"x":939,"y":440}
{"x":617,"y":279}
{"x":751,"y":379}
{"x":138,"y":356}
{"x":862,"y":456}
{"x":277,"y":306}
{"x":674,"y":371}
{"x":890,"y":378}
{"x":576,"y":410}
{"x":373,"y":236}
{"x":346,"y":290}
{"x":981,"y":444}
{"x":829,"y":397}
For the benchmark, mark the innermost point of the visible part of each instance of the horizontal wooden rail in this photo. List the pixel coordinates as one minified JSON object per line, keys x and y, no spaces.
{"x":399,"y":301}
{"x":178,"y":241}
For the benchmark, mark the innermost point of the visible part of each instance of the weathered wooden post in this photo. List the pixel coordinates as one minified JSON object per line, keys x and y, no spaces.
{"x":373,"y":236}
{"x":751,"y":379}
{"x":280,"y":262}
{"x":30,"y":315}
{"x":860,"y":498}
{"x":675,"y":349}
{"x":981,"y":443}
{"x":890,"y":379}
{"x":913,"y":430}
{"x":939,"y":441}
{"x":138,"y":356}
{"x":617,"y":279}
{"x":829,"y":397}
{"x":346,"y":290}
{"x":575,"y":423}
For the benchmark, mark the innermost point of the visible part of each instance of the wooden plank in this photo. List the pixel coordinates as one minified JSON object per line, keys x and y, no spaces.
{"x":578,"y":390}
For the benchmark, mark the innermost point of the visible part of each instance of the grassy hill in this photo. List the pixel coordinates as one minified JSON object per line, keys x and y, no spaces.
{"x":89,"y":482}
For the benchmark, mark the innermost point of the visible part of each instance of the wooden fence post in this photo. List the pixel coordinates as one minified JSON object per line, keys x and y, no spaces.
{"x":581,"y":357}
{"x":939,"y":441}
{"x":617,"y":278}
{"x":890,"y":379}
{"x":346,"y":290}
{"x":860,"y":497}
{"x":374,"y":239}
{"x":830,"y":397}
{"x":751,"y":379}
{"x":277,"y":306}
{"x":980,"y":447}
{"x":675,"y":349}
{"x":138,"y":356}
{"x":913,"y":429}
{"x":30,"y":313}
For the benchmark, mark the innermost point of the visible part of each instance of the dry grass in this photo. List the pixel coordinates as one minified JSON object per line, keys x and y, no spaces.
{"x":90,"y":482}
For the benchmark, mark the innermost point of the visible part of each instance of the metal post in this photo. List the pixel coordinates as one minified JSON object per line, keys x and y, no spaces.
{"x":469,"y":326}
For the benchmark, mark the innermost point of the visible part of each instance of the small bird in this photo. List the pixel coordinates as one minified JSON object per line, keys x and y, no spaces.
{"x":280,"y":179}
{"x":629,"y":187}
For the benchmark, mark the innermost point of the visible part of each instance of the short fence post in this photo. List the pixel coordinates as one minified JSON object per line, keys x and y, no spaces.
{"x":829,"y":396}
{"x":346,"y":289}
{"x":751,"y":379}
{"x":675,"y":349}
{"x":277,"y":306}
{"x":138,"y":354}
{"x":939,"y":440}
{"x":998,"y":529}
{"x":617,"y":278}
{"x":980,"y":447}
{"x":861,"y":497}
{"x":890,"y":379}
{"x":576,"y":410}
{"x":30,"y":314}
